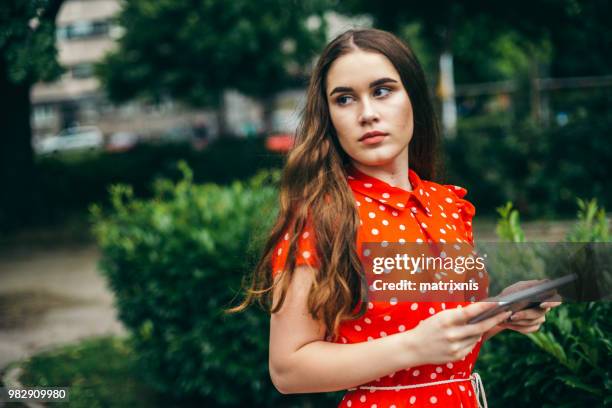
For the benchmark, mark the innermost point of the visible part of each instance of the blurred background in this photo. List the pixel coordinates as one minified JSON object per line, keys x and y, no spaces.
{"x":140,"y":145}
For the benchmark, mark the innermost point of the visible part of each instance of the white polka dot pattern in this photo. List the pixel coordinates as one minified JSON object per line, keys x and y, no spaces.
{"x":429,"y":213}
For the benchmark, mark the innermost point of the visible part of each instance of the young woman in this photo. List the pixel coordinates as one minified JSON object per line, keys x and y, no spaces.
{"x":359,"y":172}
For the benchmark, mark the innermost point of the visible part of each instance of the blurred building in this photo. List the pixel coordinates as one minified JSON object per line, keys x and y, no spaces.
{"x":85,"y":33}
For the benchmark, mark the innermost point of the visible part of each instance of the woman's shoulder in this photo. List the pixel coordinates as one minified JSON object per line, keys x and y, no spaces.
{"x":452,"y":195}
{"x":451,"y":198}
{"x":305,"y":248}
{"x":452,"y":191}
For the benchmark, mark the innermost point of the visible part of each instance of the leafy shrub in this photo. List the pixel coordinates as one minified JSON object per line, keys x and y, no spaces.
{"x":539,"y":170}
{"x":565,"y":364}
{"x":70,"y":182}
{"x":175,"y":262}
{"x":99,"y":373}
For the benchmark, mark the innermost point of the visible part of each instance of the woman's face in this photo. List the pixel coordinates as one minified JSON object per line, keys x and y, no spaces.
{"x":369,"y":108}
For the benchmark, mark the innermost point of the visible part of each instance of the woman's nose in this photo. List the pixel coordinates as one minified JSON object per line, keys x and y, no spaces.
{"x":368,"y":113}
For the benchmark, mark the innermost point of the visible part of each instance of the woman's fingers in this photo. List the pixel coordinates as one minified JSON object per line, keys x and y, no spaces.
{"x":549,"y":305}
{"x":528,"y":314}
{"x":470,"y":311}
{"x":461,"y":316}
{"x":468,"y":342}
{"x":533,"y":313}
{"x":528,"y":322}
{"x":477,"y":329}
{"x":467,"y":347}
{"x":522,"y":329}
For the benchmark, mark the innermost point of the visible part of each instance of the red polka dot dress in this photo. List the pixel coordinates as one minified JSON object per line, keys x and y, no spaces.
{"x":430,"y":213}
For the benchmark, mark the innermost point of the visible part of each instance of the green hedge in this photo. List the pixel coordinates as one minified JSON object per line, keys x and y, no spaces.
{"x":568,"y":362}
{"x":540,"y":170}
{"x":99,"y":372}
{"x":70,"y":182}
{"x":174,"y":262}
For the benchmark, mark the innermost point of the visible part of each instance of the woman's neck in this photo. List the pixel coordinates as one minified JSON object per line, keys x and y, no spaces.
{"x":394,"y":173}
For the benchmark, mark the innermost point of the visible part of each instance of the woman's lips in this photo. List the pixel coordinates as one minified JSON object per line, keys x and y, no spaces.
{"x":373,"y":139}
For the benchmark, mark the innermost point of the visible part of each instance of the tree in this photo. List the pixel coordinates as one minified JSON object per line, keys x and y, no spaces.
{"x":192,"y":51}
{"x":27,"y":55}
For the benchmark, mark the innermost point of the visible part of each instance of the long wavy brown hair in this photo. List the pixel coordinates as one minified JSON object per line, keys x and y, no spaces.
{"x":314,"y":188}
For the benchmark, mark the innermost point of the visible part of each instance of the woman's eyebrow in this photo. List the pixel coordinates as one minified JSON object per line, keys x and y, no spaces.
{"x":372,"y":84}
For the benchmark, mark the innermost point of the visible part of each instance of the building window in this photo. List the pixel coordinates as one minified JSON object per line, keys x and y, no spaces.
{"x":84,"y":29}
{"x":81,"y":71}
{"x":43,"y":115}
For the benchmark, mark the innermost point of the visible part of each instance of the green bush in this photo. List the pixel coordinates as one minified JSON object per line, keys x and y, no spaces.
{"x":99,"y":372}
{"x":565,"y":364}
{"x":68,"y":183}
{"x":175,"y":262}
{"x":540,"y":170}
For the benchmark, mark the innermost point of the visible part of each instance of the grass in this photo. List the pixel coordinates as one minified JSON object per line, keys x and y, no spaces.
{"x":99,"y":372}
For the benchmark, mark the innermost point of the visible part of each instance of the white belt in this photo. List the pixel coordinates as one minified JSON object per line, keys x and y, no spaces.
{"x":474,"y":379}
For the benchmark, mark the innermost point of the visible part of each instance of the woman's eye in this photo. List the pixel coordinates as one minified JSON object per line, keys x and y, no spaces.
{"x":378,"y":92}
{"x":343,"y":100}
{"x":382,"y":91}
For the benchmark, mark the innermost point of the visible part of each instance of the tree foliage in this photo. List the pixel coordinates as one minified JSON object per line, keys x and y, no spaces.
{"x":496,"y":40}
{"x":191,"y":51}
{"x":27,"y":40}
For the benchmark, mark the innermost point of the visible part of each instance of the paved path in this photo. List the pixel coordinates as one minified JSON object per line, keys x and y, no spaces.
{"x":51,"y":296}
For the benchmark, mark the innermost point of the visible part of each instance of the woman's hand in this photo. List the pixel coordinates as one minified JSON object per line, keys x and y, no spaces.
{"x":527,"y":320}
{"x":447,"y":336}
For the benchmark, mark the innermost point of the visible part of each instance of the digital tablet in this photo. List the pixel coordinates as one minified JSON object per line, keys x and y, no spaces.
{"x":525,"y":298}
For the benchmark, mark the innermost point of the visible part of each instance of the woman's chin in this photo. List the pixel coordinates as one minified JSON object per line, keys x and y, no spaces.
{"x":375,"y":161}
{"x":378,"y":157}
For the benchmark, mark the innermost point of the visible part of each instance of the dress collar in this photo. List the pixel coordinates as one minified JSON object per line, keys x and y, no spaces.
{"x":385,"y":193}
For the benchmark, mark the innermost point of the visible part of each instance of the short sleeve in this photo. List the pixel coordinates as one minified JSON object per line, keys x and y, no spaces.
{"x":305,"y":252}
{"x":465,"y":211}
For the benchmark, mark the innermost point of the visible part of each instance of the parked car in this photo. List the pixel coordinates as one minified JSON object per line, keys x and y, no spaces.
{"x":178,"y":134}
{"x":74,"y":138}
{"x":121,"y":142}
